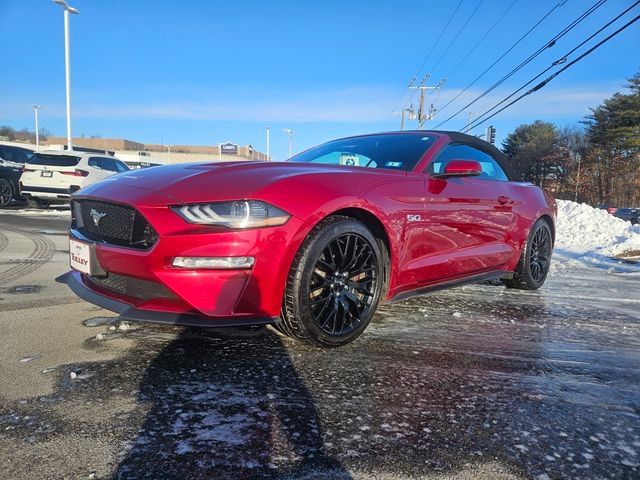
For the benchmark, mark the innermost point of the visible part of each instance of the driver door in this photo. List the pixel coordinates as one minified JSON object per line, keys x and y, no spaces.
{"x":467,"y":219}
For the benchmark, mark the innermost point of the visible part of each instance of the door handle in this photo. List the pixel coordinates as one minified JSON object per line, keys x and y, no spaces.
{"x":503,"y":200}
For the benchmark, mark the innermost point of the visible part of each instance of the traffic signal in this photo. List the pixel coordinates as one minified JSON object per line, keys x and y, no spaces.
{"x":490,"y":134}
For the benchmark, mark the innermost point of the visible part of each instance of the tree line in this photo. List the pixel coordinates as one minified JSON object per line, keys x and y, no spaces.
{"x":596,"y":161}
{"x":24,"y":135}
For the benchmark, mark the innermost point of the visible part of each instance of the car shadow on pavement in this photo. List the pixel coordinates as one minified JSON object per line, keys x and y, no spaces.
{"x":227,"y":404}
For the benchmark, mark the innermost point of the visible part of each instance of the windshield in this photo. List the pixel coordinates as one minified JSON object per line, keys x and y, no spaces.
{"x":54,"y":160}
{"x":393,"y":151}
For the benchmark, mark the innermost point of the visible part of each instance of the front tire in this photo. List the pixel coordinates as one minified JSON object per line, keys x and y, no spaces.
{"x":334,"y":285}
{"x":534,"y":263}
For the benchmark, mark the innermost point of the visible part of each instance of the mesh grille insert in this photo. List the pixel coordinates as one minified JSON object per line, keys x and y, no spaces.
{"x":113,"y":224}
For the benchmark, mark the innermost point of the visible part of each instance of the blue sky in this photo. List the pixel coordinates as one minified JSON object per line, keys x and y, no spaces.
{"x":203,"y":72}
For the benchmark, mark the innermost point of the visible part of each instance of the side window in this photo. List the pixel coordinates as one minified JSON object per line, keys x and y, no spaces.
{"x":491,"y":170}
{"x":14,"y":154}
{"x":121,"y":166}
{"x":108,"y":164}
{"x":95,"y":162}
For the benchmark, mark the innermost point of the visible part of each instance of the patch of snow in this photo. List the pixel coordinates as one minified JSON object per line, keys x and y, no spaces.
{"x":98,"y":321}
{"x":30,"y":358}
{"x":56,"y":212}
{"x":586,"y":230}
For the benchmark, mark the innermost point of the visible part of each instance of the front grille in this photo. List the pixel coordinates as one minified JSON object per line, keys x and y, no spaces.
{"x":113,"y":281}
{"x":132,"y":287}
{"x":111,"y":223}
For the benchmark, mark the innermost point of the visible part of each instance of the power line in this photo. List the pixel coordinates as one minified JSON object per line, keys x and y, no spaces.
{"x":481,"y":39}
{"x":531,"y":57}
{"x":478,"y":120}
{"x":456,"y":36}
{"x":428,"y":56}
{"x":551,"y":77}
{"x":559,"y":4}
{"x":439,"y":38}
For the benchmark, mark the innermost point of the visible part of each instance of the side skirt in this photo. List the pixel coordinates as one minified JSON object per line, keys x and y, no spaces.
{"x":483,"y":277}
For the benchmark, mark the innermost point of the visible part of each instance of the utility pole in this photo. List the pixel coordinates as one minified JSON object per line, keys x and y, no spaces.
{"x":422,"y":115}
{"x":468,"y":132}
{"x":35,"y":112}
{"x":578,"y":178}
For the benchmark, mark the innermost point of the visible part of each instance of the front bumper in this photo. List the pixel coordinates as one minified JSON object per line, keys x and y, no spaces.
{"x":130,"y":313}
{"x":151,"y":284}
{"x":48,"y":193}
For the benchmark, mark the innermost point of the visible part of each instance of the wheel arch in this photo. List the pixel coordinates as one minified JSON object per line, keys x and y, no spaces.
{"x":547,"y":218}
{"x":372,"y":222}
{"x":376,"y":226}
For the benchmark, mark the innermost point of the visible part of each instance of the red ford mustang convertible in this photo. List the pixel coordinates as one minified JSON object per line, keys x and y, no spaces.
{"x":311,"y":245}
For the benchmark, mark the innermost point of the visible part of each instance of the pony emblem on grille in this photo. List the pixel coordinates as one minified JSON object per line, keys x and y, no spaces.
{"x":97,"y":216}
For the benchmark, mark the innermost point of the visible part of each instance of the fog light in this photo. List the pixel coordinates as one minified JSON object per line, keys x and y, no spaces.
{"x":214,"y":263}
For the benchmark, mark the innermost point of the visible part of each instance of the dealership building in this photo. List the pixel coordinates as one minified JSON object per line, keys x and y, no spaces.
{"x":128,"y":150}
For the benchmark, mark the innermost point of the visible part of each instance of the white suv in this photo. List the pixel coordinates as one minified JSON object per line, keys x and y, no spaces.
{"x":52,"y":176}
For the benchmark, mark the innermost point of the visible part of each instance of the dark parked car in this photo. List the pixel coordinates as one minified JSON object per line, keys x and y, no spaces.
{"x":12,"y":160}
{"x":628,"y":214}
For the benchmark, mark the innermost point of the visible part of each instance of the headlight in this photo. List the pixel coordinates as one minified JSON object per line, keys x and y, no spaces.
{"x":236,"y":214}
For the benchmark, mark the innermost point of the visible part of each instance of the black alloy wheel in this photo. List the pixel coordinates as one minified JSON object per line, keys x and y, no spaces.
{"x":6,"y":192}
{"x":533,"y":267}
{"x":540,"y":255}
{"x":335,"y":283}
{"x":343,"y":285}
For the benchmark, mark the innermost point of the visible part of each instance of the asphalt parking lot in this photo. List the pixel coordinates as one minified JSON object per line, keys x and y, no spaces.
{"x":477,"y":382}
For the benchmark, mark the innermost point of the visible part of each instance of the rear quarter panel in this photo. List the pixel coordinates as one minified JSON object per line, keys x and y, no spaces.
{"x":530,"y":204}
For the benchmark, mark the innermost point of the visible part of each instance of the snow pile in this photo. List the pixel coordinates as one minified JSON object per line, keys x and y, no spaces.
{"x":584,"y":229}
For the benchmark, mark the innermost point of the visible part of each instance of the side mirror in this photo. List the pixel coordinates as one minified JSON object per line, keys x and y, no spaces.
{"x":460,"y":168}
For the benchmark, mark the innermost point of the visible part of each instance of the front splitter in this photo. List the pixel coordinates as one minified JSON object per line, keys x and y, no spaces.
{"x":130,"y":313}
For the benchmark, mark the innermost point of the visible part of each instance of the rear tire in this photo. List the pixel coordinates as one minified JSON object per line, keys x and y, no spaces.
{"x":334,"y":285}
{"x":6,"y":192}
{"x":534,"y":263}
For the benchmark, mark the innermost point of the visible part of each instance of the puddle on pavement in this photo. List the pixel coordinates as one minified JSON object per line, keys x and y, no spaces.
{"x":23,"y":289}
{"x":99,"y":321}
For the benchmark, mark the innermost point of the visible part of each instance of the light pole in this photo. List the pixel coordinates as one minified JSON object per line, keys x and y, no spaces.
{"x":35,"y":113}
{"x":290,"y":133}
{"x":67,"y":10}
{"x":268,"y":139}
{"x":468,"y":132}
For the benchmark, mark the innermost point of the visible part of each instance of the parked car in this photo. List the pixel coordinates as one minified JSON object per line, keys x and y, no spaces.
{"x":311,"y":245}
{"x":52,"y":176}
{"x":12,"y":159}
{"x":629,"y":214}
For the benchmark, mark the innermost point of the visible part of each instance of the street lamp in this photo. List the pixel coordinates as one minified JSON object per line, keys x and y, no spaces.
{"x":67,"y":10}
{"x":290,"y":133}
{"x":35,"y":112}
{"x":268,"y":139}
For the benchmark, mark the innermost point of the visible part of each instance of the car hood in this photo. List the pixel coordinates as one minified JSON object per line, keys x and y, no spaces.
{"x":202,"y":182}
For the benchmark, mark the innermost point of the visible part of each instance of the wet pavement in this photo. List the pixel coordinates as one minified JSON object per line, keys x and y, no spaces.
{"x":476,"y":382}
